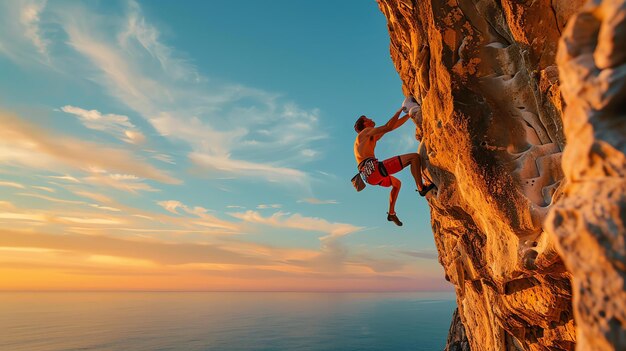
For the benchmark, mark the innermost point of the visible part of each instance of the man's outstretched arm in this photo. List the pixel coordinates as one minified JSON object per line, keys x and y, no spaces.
{"x":401,"y":121}
{"x":390,"y":125}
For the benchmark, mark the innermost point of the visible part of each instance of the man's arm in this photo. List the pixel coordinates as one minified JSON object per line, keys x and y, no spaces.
{"x":389,"y":126}
{"x":401,"y":121}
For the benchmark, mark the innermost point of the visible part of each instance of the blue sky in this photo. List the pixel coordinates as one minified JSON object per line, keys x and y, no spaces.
{"x":201,"y":146}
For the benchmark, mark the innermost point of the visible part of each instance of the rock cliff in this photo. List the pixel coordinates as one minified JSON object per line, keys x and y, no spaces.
{"x":492,"y":138}
{"x":589,"y":220}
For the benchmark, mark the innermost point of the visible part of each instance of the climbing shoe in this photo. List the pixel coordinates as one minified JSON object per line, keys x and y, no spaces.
{"x":393,"y":218}
{"x":426,"y":189}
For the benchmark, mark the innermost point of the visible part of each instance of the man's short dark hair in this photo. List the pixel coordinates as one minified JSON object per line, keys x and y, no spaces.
{"x":359,"y":125}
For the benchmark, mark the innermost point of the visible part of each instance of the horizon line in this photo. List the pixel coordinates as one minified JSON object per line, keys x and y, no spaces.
{"x":221,"y":291}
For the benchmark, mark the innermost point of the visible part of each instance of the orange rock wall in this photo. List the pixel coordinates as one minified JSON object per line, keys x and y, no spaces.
{"x":493,"y":140}
{"x":589,"y":220}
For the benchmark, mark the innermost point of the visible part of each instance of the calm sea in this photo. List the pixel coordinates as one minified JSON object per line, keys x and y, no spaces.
{"x":224,"y":321}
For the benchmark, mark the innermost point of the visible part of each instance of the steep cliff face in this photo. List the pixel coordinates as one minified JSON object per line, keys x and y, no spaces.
{"x":589,"y":221}
{"x":492,"y":141}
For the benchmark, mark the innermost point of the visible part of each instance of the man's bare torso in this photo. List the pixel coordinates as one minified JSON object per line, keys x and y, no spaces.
{"x":364,"y":145}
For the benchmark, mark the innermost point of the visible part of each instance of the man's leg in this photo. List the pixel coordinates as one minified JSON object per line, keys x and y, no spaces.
{"x":393,"y":196}
{"x":423,"y":154}
{"x":414,"y":160}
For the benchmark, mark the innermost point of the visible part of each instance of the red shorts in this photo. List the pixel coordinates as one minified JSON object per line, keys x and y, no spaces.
{"x":391,"y":165}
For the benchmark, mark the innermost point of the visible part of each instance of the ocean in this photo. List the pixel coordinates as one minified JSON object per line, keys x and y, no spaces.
{"x":202,"y":321}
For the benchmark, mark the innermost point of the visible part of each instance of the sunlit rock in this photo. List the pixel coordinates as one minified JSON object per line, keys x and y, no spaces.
{"x":492,"y":140}
{"x":589,"y":220}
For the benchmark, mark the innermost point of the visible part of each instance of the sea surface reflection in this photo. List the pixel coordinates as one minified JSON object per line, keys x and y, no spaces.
{"x":224,"y":321}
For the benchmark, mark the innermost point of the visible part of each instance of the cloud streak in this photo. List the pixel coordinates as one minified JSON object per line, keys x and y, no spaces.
{"x":207,"y":220}
{"x":314,"y":201}
{"x":298,"y":221}
{"x":429,"y":254}
{"x":117,"y":125}
{"x":30,"y":18}
{"x":250,"y":169}
{"x":159,"y":252}
{"x":11,"y":184}
{"x":21,"y":36}
{"x":28,"y":145}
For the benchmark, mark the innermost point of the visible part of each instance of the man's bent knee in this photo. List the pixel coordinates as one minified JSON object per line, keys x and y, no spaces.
{"x":409,"y":159}
{"x":396,"y":183}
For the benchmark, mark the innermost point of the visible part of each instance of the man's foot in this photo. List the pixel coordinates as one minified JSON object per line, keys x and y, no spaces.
{"x":426,"y":189}
{"x":393,"y":218}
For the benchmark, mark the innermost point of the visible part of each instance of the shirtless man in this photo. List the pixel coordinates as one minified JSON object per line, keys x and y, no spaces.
{"x":380,"y":173}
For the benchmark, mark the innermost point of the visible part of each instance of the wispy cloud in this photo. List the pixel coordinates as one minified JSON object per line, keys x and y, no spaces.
{"x":266,"y":206}
{"x":26,"y":144}
{"x":430,"y":254}
{"x":66,"y":177}
{"x":333,"y":254}
{"x":89,"y":220}
{"x":113,"y":217}
{"x":117,"y":125}
{"x":314,"y":201}
{"x":22,"y":38}
{"x":137,"y":30}
{"x":298,"y":221}
{"x":250,"y":169}
{"x":309,"y":153}
{"x":44,"y":188}
{"x":11,"y":184}
{"x":163,"y":253}
{"x":105,"y":208}
{"x":326,"y":174}
{"x":30,"y":18}
{"x":164,"y":158}
{"x":36,"y":217}
{"x":172,"y":206}
{"x":128,"y":183}
{"x":93,"y":196}
{"x":50,"y":198}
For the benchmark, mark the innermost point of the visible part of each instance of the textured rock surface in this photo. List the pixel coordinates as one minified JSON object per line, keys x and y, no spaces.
{"x":589,"y":220}
{"x":492,"y":141}
{"x":457,"y":339}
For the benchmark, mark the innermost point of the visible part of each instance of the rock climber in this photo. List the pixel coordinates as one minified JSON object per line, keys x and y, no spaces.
{"x":380,"y":173}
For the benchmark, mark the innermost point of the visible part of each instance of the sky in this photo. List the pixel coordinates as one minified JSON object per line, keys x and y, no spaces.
{"x":201,"y":146}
